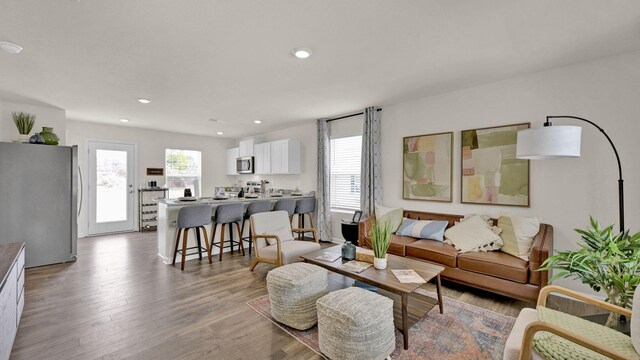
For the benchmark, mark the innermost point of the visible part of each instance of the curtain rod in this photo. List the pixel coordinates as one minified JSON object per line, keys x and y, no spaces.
{"x":348,"y":116}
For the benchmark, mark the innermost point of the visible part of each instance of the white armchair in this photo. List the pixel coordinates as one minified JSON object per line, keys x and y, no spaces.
{"x":273,"y":240}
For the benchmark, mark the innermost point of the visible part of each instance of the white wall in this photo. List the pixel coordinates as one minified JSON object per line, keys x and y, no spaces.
{"x":151,"y":145}
{"x":48,"y":116}
{"x":563,"y":192}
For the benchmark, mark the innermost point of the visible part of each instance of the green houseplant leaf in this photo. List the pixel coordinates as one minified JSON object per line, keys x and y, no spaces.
{"x":603,"y":261}
{"x":381,"y":238}
{"x":24,"y":122}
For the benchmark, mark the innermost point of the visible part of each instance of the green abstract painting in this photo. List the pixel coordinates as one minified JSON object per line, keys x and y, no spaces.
{"x":491,"y":174}
{"x":427,"y":167}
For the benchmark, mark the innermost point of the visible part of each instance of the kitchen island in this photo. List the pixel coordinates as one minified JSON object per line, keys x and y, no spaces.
{"x":168,"y":213}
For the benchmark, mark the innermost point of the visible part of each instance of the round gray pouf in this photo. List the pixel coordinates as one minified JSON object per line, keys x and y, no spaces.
{"x":354,"y":323}
{"x":293,"y":292}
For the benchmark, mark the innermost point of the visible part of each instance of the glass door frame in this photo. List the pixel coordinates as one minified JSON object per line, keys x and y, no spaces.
{"x":128,"y":225}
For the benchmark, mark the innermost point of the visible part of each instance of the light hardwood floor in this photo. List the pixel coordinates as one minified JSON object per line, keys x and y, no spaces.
{"x":120,"y":301}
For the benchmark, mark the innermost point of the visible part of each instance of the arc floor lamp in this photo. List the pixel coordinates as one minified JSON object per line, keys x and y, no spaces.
{"x":553,"y":142}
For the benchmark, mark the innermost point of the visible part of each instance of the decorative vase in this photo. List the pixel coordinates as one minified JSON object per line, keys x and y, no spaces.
{"x":22,"y":138}
{"x":36,"y":139}
{"x":348,"y":251}
{"x":380,"y":263}
{"x":49,"y":137}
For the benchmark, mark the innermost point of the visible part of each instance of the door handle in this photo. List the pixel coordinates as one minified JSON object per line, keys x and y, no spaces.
{"x":130,"y":191}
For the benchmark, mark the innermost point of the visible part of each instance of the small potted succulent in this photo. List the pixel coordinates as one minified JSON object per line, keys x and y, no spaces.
{"x":24,"y":122}
{"x":380,"y":241}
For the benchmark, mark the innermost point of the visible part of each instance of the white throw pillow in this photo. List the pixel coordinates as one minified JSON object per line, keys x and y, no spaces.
{"x":472,"y":234}
{"x":517,"y":234}
{"x":283,"y":233}
{"x":635,"y":320}
{"x":392,"y":215}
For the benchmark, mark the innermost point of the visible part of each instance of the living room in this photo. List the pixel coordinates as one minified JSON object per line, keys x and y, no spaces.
{"x":430,"y":68}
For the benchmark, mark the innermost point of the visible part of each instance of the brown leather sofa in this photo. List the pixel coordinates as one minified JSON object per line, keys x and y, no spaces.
{"x":493,"y":271}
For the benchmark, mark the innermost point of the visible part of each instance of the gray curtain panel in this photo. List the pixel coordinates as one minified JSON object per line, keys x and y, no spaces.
{"x":324,"y":187}
{"x":371,"y":171}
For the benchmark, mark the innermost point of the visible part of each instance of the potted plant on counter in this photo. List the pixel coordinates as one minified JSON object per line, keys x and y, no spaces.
{"x":605,"y":262}
{"x":380,"y":241}
{"x":24,"y":122}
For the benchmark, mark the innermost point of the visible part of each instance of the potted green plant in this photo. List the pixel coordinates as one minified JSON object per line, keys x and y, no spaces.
{"x":380,"y":241}
{"x":605,"y":262}
{"x":24,"y":122}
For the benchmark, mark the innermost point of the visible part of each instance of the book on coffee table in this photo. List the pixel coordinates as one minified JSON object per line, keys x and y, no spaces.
{"x":355,"y":266}
{"x":408,"y":277}
{"x":329,"y":256}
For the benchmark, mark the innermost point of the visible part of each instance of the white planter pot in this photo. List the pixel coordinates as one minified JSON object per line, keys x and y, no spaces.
{"x":23,"y":138}
{"x":380,"y":263}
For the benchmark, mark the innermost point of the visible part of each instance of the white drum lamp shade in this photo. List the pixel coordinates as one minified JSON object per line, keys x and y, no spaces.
{"x":549,"y":142}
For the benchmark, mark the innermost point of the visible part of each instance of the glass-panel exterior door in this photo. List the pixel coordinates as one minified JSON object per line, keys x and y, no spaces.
{"x":111,"y":191}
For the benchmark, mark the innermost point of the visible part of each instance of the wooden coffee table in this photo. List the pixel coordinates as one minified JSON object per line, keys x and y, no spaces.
{"x":384,"y":279}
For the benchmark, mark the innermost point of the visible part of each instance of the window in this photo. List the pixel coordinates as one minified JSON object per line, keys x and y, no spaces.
{"x":345,"y":172}
{"x":183,"y":171}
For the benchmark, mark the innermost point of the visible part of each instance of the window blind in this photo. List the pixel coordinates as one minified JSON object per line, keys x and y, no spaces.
{"x":345,"y":172}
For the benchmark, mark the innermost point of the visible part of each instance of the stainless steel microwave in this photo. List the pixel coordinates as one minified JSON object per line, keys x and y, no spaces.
{"x":244,"y":165}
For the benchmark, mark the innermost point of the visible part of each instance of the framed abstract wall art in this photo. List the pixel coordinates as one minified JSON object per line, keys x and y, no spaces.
{"x":491,"y":174}
{"x":427,"y":167}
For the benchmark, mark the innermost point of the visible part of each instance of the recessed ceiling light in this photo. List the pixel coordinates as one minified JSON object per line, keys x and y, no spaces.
{"x":10,"y":47}
{"x":257,"y":121}
{"x":301,"y":53}
{"x":217,"y":121}
{"x":143,"y":101}
{"x":124,"y":120}
{"x":220,"y":133}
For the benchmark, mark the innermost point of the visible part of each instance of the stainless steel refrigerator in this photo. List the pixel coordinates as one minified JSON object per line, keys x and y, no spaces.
{"x":38,"y":201}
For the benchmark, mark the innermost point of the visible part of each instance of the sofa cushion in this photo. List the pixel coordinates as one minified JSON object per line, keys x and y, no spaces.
{"x":398,"y":244}
{"x":423,"y":229}
{"x":518,"y":233}
{"x":495,"y":263}
{"x":392,"y":216}
{"x":434,"y":251}
{"x":473,"y":234}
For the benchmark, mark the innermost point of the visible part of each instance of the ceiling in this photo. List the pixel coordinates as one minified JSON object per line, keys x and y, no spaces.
{"x":231,"y":60}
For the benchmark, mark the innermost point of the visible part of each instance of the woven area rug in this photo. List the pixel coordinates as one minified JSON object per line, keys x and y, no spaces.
{"x":463,"y":332}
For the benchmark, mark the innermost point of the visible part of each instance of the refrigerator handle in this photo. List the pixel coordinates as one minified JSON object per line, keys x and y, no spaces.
{"x":81,"y":190}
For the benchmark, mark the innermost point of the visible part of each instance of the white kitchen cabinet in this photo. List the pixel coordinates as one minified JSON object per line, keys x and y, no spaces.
{"x":246,"y":148}
{"x":285,"y":156}
{"x":11,"y":295}
{"x":262,"y":158}
{"x":232,"y":156}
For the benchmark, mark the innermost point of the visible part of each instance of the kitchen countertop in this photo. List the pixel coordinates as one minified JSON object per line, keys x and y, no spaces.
{"x":212,"y":201}
{"x":168,"y":210}
{"x":8,"y":255}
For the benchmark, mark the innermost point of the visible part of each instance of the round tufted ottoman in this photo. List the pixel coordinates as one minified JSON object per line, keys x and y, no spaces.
{"x":293,"y":292}
{"x":354,"y":323}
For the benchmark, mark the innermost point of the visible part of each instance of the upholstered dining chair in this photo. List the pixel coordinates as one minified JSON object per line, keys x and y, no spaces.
{"x":273,"y":240}
{"x":543,"y":333}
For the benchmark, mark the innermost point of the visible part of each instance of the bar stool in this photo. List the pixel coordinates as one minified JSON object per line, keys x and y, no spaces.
{"x":288,"y":205}
{"x":192,"y":217}
{"x":227,"y":214}
{"x":254,"y":208}
{"x":304,"y":207}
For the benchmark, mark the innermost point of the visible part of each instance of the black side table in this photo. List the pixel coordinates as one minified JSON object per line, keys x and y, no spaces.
{"x":350,"y":231}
